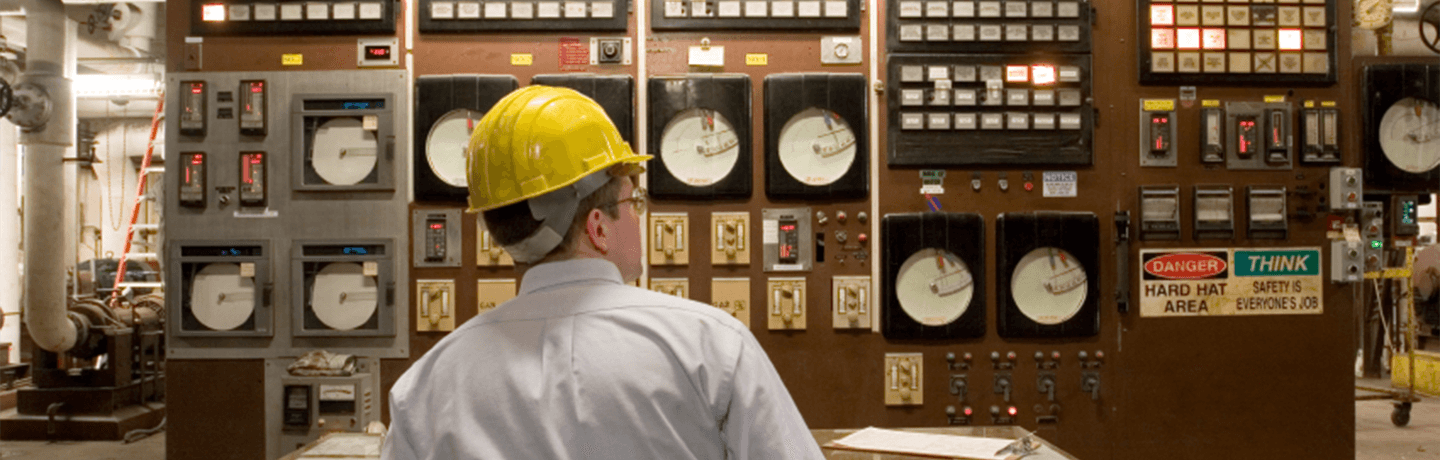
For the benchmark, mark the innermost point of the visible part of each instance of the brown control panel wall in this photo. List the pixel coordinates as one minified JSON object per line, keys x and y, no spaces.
{"x":1101,"y":380}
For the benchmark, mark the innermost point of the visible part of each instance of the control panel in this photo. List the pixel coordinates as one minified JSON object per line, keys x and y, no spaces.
{"x":1236,"y":43}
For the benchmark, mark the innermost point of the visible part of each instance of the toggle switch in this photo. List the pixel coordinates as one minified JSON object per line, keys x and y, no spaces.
{"x":678,"y":287}
{"x":1045,"y":384}
{"x":852,"y":302}
{"x":731,"y":245}
{"x":667,"y":239}
{"x":435,"y":302}
{"x":904,"y":379}
{"x":787,"y":303}
{"x":1003,"y":384}
{"x":1090,"y":383}
{"x":488,"y":252}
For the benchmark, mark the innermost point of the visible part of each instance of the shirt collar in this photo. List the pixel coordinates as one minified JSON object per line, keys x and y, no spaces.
{"x":552,"y":274}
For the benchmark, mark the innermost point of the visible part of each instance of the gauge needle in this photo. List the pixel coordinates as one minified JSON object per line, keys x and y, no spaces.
{"x":1425,"y":133}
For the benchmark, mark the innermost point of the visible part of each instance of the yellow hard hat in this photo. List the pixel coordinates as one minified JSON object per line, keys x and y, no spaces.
{"x":539,"y":139}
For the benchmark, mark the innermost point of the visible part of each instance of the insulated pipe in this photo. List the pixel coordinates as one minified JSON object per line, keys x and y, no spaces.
{"x":45,"y":145}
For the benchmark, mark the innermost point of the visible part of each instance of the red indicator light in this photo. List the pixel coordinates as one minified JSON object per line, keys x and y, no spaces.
{"x":212,"y":12}
{"x":196,"y":88}
{"x":787,"y":228}
{"x":1017,"y":73}
{"x":1162,"y":15}
{"x":436,"y":226}
{"x":246,"y":173}
{"x":1013,"y":411}
{"x":1214,"y":39}
{"x":1042,"y":74}
{"x":197,"y":159}
{"x":968,"y":411}
{"x":257,"y":87}
{"x":1159,"y":144}
{"x":1291,"y":39}
{"x":1162,"y":39}
{"x":1187,"y":39}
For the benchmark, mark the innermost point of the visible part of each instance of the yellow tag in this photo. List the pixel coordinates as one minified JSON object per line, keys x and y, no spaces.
{"x":1210,"y":103}
{"x":1309,"y":104}
{"x":522,"y":59}
{"x":757,"y":59}
{"x":247,"y":269}
{"x":292,"y":59}
{"x":1279,"y":98}
{"x":1159,"y":105}
{"x":370,"y":268}
{"x":1327,"y":104}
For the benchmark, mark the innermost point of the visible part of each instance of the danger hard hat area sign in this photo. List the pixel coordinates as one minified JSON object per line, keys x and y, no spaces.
{"x":1230,"y":282}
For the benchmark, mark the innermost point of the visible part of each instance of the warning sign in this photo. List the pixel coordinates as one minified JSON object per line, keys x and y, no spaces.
{"x":1223,"y":282}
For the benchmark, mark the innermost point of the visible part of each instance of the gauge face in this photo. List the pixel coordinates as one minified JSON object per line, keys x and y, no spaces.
{"x":1049,"y":285}
{"x":220,"y":298}
{"x":344,"y":151}
{"x":446,"y":143}
{"x":817,"y":147}
{"x":1410,"y":135}
{"x":934,"y":287}
{"x":699,"y":147}
{"x":342,"y":297}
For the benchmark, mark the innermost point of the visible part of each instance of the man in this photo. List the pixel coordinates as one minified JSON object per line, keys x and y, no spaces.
{"x":581,"y":365}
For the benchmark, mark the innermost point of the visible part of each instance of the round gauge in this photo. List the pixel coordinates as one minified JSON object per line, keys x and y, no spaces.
{"x":1372,"y":14}
{"x":220,"y":298}
{"x":446,"y":143}
{"x":817,"y":147}
{"x":699,"y":147}
{"x":1049,"y":285}
{"x":342,"y":297}
{"x":1410,"y":135}
{"x":934,"y":287}
{"x":344,"y":151}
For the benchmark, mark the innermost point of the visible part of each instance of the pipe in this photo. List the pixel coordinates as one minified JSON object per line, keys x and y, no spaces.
{"x":46,"y":221}
{"x":9,"y":234}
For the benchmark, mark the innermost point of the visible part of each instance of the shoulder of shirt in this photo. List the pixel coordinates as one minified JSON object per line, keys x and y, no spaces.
{"x":635,"y":299}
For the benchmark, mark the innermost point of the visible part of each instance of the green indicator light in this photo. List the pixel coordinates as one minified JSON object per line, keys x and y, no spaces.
{"x":1377,"y":244}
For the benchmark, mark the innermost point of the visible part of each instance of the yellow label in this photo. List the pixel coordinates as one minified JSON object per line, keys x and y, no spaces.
{"x":522,"y":59}
{"x":1210,"y":103}
{"x":292,"y":59}
{"x":1327,"y":104}
{"x":1158,"y":105}
{"x":1274,"y":98}
{"x":757,"y":59}
{"x":1309,"y":104}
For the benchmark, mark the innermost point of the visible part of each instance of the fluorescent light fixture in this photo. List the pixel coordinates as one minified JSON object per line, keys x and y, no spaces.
{"x":116,"y":85}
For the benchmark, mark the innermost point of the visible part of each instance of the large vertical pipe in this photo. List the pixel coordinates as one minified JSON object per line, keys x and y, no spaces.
{"x":9,"y":235}
{"x":46,"y":229}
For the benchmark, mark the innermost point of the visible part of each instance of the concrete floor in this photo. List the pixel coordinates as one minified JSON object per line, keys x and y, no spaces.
{"x":1375,"y":438}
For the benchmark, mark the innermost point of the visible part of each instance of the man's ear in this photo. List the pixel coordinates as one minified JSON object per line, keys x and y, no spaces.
{"x":597,"y":231}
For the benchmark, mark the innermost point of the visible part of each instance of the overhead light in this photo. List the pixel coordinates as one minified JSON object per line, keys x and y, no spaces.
{"x":116,"y":85}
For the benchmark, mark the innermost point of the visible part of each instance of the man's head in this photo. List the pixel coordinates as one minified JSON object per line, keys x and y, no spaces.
{"x":546,"y":167}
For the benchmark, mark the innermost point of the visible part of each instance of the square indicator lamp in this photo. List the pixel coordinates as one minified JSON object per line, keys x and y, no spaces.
{"x":1213,"y":39}
{"x":1017,"y":74}
{"x":1162,"y":15}
{"x":212,"y":12}
{"x":1291,"y":39}
{"x":1187,"y":39}
{"x":1162,"y":39}
{"x":1042,"y":75}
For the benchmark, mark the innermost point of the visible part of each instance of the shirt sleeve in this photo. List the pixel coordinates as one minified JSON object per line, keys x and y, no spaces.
{"x":762,"y":421}
{"x":397,"y":442}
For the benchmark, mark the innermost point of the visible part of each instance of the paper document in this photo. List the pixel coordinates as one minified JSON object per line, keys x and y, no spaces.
{"x":931,"y":445}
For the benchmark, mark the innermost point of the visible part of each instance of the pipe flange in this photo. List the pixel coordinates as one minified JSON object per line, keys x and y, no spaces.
{"x":31,"y":106}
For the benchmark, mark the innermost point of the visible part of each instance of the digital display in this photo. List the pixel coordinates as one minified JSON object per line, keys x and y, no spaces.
{"x":220,"y":251}
{"x":345,"y":104}
{"x":344,"y":250}
{"x":377,"y":52}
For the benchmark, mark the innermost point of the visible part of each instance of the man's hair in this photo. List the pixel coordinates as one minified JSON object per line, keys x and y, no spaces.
{"x":512,"y":223}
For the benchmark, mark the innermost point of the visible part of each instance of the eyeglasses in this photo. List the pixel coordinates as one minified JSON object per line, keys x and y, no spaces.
{"x":638,"y":200}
